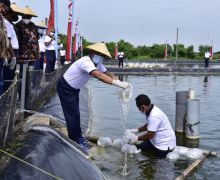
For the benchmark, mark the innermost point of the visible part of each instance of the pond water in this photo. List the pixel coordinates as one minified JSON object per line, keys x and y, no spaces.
{"x":105,"y":109}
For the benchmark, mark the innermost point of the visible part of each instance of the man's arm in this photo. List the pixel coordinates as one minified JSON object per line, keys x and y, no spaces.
{"x":110,"y":75}
{"x":142,"y":128}
{"x":146,"y":136}
{"x":101,"y":76}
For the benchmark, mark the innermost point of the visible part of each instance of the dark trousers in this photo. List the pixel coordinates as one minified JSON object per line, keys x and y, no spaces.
{"x":51,"y":59}
{"x":206,"y":62}
{"x":120,"y":63}
{"x":9,"y":74}
{"x":62,"y":60}
{"x":147,"y":145}
{"x":69,"y":98}
{"x":39,"y":64}
{"x":1,"y":76}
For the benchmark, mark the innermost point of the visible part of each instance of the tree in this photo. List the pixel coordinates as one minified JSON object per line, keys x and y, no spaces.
{"x":190,"y":52}
{"x":203,"y":49}
{"x":157,"y":51}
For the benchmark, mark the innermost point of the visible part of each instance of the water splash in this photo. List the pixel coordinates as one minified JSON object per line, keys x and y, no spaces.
{"x":126,"y":95}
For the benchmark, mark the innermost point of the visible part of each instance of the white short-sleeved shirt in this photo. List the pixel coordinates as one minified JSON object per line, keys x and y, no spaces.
{"x":62,"y":52}
{"x":207,"y":55}
{"x":159,"y":123}
{"x":77,"y":75}
{"x":11,"y":34}
{"x":42,"y":47}
{"x":51,"y":46}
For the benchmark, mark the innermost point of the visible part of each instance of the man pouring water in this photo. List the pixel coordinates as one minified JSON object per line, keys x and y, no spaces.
{"x":159,"y":136}
{"x":76,"y":76}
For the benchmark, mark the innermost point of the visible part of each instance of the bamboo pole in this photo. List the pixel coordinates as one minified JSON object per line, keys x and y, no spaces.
{"x":190,"y":169}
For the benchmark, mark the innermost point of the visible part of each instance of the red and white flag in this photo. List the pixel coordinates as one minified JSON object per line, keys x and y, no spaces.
{"x":76,"y":39}
{"x":211,"y":53}
{"x":69,"y":32}
{"x":165,"y":52}
{"x":51,"y":17}
{"x":116,"y":50}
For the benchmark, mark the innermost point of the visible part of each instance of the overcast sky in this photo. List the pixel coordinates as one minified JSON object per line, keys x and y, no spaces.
{"x":140,"y":22}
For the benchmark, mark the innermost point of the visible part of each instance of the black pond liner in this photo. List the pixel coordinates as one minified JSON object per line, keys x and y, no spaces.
{"x":49,"y":150}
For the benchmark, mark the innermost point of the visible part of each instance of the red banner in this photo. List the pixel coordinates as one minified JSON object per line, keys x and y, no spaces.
{"x":210,"y":51}
{"x":68,"y":40}
{"x":74,"y":45}
{"x":69,"y":32}
{"x":116,"y":50}
{"x":51,"y":17}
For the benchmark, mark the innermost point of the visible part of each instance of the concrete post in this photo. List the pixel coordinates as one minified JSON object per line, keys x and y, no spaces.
{"x":181,"y":102}
{"x":193,"y":119}
{"x":23,"y":86}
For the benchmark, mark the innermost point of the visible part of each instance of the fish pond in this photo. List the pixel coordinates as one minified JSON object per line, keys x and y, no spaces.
{"x":103,"y":118}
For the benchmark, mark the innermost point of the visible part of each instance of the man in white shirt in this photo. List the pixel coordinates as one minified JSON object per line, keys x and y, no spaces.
{"x":76,"y":76}
{"x":9,"y":71}
{"x":50,"y":44}
{"x":62,"y":55}
{"x":42,"y":49}
{"x":207,"y":57}
{"x":10,"y":64}
{"x":159,"y":135}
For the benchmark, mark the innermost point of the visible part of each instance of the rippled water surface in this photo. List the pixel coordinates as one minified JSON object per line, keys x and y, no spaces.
{"x":105,"y":112}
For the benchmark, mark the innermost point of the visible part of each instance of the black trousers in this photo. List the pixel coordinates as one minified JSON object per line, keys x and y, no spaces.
{"x":9,"y":74}
{"x":147,"y":145}
{"x":69,"y":98}
{"x":62,"y":60}
{"x":206,"y":62}
{"x":51,"y":59}
{"x":120,"y":63}
{"x":41,"y":60}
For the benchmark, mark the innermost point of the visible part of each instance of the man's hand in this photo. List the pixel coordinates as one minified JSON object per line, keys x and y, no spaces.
{"x":132,"y":138}
{"x":120,"y":84}
{"x":13,"y":63}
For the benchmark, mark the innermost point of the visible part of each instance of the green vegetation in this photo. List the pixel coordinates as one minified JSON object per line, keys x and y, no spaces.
{"x":156,"y":51}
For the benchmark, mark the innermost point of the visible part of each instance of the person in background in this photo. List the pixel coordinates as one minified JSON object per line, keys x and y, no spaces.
{"x":28,"y":38}
{"x":121,"y":59}
{"x":4,"y":42}
{"x":62,"y":55}
{"x":50,"y":44}
{"x":42,"y":50}
{"x":10,"y":59}
{"x":9,"y":71}
{"x":207,"y":57}
{"x":76,"y":76}
{"x":159,"y":136}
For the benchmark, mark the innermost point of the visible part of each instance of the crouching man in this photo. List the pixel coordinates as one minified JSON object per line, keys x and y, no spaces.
{"x":159,"y":135}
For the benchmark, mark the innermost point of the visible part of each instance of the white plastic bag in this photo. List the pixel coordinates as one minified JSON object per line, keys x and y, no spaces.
{"x":104,"y":141}
{"x":173,"y":156}
{"x":194,"y":154}
{"x":182,"y":151}
{"x":127,"y":94}
{"x":131,"y":149}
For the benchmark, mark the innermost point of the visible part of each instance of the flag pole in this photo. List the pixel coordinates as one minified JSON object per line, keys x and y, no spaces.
{"x":56,"y":25}
{"x":177,"y":37}
{"x":72,"y":27}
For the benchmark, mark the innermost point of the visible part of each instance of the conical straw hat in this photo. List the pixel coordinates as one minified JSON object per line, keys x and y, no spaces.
{"x":42,"y":24}
{"x":100,"y":48}
{"x":28,"y":11}
{"x":15,"y":8}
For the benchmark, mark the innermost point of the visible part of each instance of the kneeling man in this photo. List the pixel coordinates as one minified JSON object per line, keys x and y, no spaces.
{"x":159,"y":135}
